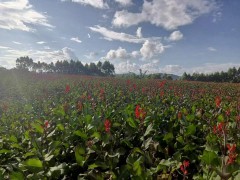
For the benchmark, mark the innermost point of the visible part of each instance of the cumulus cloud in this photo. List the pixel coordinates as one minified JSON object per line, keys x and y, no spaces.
{"x":211,"y":49}
{"x":175,"y":36}
{"x":76,"y":39}
{"x":150,"y":49}
{"x":119,"y":36}
{"x":100,"y":4}
{"x":120,"y":53}
{"x":169,"y":14}
{"x":20,"y":15}
{"x":124,"y":2}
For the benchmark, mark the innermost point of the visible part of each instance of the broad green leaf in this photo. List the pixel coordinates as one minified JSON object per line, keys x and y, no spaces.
{"x":137,"y":167}
{"x":38,"y":127}
{"x":13,"y":138}
{"x":79,"y":152}
{"x":96,"y":135}
{"x":51,"y":134}
{"x":168,"y":137}
{"x":131,"y":122}
{"x":190,"y":117}
{"x":147,"y":142}
{"x":88,"y":119}
{"x":191,"y":130}
{"x":149,"y":129}
{"x":92,"y":166}
{"x":16,"y":176}
{"x":180,"y":139}
{"x":34,"y":162}
{"x":81,"y":134}
{"x":209,"y":157}
{"x":3,"y":151}
{"x":60,"y":127}
{"x":220,"y":118}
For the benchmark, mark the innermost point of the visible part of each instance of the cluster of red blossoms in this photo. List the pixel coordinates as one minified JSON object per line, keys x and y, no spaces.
{"x":184,"y":166}
{"x":140,"y":113}
{"x":232,"y":155}
{"x":107,"y":125}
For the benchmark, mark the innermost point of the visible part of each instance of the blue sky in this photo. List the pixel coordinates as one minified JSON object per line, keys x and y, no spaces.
{"x":168,"y":36}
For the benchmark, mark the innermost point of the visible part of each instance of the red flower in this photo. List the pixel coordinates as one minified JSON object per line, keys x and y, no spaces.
{"x":186,"y":163}
{"x":107,"y":125}
{"x":162,"y":84}
{"x":218,"y":101}
{"x":184,"y":166}
{"x":67,"y":89}
{"x":140,"y":113}
{"x":162,"y":93}
{"x":179,"y":115}
{"x":228,"y":112}
{"x":232,"y":155}
{"x":220,"y":128}
{"x":46,"y":124}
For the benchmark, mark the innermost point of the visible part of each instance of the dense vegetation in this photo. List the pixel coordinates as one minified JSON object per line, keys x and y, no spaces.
{"x":66,"y":67}
{"x":70,"y":126}
{"x":232,"y":75}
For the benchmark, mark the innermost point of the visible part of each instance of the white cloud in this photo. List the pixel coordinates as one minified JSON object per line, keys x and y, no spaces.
{"x":68,"y":53}
{"x":89,"y":36}
{"x":76,"y":39}
{"x":47,"y":47}
{"x":15,"y":42}
{"x":100,"y":4}
{"x":168,"y":14}
{"x":175,"y":36}
{"x":129,"y":66}
{"x":150,"y":49}
{"x":171,"y":69}
{"x":20,"y":15}
{"x":112,"y":35}
{"x":139,"y":32}
{"x":212,"y":67}
{"x":4,"y":47}
{"x":41,"y":42}
{"x":92,"y":55}
{"x":211,"y":49}
{"x":124,"y":2}
{"x":120,"y":53}
{"x":47,"y":56}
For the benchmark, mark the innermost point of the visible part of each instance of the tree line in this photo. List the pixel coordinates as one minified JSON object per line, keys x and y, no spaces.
{"x":66,"y":67}
{"x":232,"y":75}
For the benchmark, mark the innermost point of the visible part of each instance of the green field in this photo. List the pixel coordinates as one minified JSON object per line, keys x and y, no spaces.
{"x":72,"y":127}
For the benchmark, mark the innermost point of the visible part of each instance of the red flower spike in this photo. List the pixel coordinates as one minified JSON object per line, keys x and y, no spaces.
{"x":140,"y":113}
{"x":179,"y":115}
{"x":186,"y":163}
{"x":46,"y":124}
{"x":107,"y":125}
{"x":232,"y":155}
{"x":184,"y":166}
{"x":218,"y":101}
{"x":67,"y":89}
